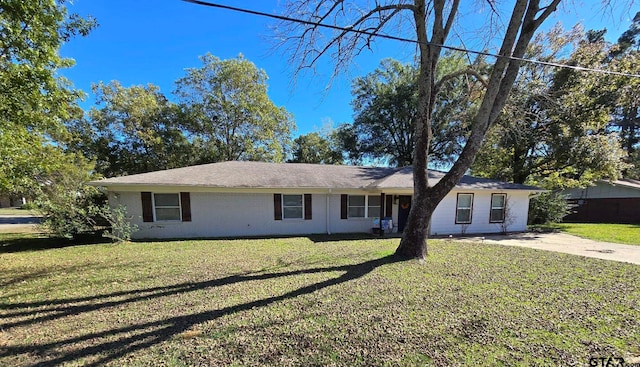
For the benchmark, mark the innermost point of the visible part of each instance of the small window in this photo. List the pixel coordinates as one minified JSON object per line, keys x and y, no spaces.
{"x":498,"y":207}
{"x":292,"y":207}
{"x":357,"y":206}
{"x":167,"y":206}
{"x":464,"y":208}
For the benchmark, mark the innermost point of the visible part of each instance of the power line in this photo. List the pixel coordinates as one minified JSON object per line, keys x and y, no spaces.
{"x":403,"y":39}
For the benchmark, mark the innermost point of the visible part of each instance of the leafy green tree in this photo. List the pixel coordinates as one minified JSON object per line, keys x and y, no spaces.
{"x":34,"y":101}
{"x":548,"y":207}
{"x":552,"y":131}
{"x":68,"y":206}
{"x":385,"y":105}
{"x":625,"y":58}
{"x":314,"y":148}
{"x":229,"y":112}
{"x":132,"y":130}
{"x":71,"y":209}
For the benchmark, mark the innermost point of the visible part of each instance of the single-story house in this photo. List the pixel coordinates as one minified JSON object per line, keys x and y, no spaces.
{"x":605,"y":202}
{"x":231,"y":199}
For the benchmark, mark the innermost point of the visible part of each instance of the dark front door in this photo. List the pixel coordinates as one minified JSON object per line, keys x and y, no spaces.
{"x":404,"y":205}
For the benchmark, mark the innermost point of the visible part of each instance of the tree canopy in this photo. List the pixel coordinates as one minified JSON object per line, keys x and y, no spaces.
{"x":552,"y":131}
{"x":222,"y":113}
{"x":228,"y":109}
{"x":34,"y":101}
{"x":564,"y":128}
{"x":132,"y":130}
{"x":385,"y":106}
{"x":315,"y":148}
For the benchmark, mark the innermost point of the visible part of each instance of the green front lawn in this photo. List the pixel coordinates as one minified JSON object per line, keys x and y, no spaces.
{"x":16,"y":211}
{"x":616,"y":233}
{"x":310,"y":301}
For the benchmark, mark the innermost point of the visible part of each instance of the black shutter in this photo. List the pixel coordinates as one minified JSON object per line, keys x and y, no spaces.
{"x":344,"y":200}
{"x":277,"y":206}
{"x":147,"y":207}
{"x":389,"y":207}
{"x":382,"y":202}
{"x":185,"y":200}
{"x":307,"y":206}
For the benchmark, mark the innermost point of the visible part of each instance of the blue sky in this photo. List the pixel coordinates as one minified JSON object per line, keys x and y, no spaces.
{"x":140,"y":42}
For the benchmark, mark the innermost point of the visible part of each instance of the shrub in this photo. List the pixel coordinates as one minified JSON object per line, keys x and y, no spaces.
{"x":548,"y":207}
{"x":120,"y":226}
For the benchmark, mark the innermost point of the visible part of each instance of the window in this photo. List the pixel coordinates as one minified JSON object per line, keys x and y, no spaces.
{"x":292,"y":207}
{"x":167,"y":206}
{"x":464,"y":208}
{"x":361,"y":206}
{"x":373,"y":209}
{"x":498,"y":207}
{"x":357,"y":206}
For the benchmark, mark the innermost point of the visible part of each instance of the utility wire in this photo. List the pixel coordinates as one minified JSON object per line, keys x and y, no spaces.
{"x":403,"y":39}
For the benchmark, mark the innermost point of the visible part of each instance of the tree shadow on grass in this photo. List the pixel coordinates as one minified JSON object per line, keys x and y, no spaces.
{"x":143,"y":335}
{"x":23,"y":243}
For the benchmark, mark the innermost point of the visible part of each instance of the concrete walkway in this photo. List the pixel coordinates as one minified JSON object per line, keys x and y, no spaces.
{"x":568,"y":244}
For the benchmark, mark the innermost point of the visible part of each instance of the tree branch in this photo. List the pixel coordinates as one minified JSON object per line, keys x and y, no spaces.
{"x":458,"y":73}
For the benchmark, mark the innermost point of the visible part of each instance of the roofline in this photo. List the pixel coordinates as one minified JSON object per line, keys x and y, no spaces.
{"x":630,"y":185}
{"x":315,"y":188}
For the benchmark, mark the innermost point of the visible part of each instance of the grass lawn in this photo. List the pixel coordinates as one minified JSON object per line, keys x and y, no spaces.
{"x":310,"y":301}
{"x":616,"y":233}
{"x":16,"y":211}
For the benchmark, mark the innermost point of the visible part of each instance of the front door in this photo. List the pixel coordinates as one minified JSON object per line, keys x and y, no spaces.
{"x":404,"y":206}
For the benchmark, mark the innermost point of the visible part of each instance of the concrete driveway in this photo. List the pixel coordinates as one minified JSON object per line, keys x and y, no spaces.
{"x":568,"y":244}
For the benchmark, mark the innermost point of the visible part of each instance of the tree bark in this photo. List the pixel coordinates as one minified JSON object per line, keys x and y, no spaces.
{"x":414,"y":239}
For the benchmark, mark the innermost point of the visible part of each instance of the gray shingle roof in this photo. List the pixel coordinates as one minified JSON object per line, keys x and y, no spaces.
{"x":627,"y":182}
{"x":237,"y":174}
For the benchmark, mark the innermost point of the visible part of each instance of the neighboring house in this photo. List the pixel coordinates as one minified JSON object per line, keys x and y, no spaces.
{"x":606,"y":202}
{"x":254,"y":198}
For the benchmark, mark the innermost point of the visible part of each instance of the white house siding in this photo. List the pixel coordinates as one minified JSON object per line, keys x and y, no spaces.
{"x":350,"y":225}
{"x":225,"y":215}
{"x":444,"y":218}
{"x":232,"y":214}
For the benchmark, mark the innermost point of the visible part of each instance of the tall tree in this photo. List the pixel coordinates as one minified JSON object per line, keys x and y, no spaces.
{"x":229,"y":110}
{"x":431,"y":24}
{"x":315,"y":148}
{"x":34,"y":101}
{"x":551,"y":133}
{"x":625,"y":57}
{"x":385,"y":105}
{"x":132,"y":130}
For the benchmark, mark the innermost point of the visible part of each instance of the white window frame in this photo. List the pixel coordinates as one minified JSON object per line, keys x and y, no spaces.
{"x":293,"y":206}
{"x":366,"y":207}
{"x":179,"y":207}
{"x":470,"y":208}
{"x":373,"y":206}
{"x":503,"y":208}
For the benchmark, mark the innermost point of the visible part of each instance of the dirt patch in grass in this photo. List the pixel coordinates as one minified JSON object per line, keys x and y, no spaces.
{"x":294,"y":301}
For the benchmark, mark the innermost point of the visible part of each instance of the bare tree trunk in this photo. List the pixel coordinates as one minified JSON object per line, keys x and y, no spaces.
{"x":414,"y":239}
